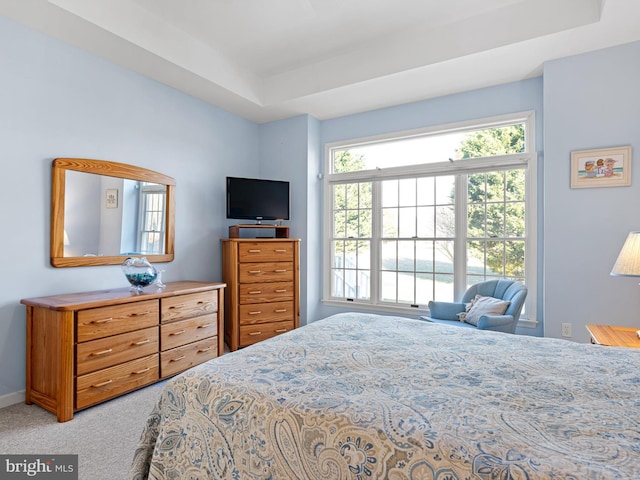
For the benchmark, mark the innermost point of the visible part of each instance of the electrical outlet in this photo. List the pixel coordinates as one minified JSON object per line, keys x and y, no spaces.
{"x":566,"y":329}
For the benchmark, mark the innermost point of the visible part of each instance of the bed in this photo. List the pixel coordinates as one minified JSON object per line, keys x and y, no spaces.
{"x":363,"y":396}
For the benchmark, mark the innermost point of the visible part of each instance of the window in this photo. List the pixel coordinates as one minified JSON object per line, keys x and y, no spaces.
{"x":424,"y":215}
{"x":151,"y":232}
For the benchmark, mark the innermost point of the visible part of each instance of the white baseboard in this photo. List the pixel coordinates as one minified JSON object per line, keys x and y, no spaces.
{"x":12,"y":398}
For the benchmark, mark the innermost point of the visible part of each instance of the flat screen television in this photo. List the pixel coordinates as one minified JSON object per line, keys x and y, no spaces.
{"x":257,"y":199}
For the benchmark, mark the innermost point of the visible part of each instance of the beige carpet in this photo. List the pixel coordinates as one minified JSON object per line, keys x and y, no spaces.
{"x":104,"y":437}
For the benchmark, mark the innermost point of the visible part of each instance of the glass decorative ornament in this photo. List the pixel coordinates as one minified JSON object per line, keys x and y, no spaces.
{"x":139,"y":272}
{"x":158,"y":283}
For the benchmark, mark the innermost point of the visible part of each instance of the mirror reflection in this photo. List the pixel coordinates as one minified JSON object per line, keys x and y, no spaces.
{"x":113,"y":216}
{"x":103,"y":212}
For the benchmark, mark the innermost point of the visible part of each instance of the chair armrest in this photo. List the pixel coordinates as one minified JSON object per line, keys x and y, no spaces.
{"x":491,"y":321}
{"x":445,"y":310}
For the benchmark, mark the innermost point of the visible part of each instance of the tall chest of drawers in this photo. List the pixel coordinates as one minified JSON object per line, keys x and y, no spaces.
{"x":86,"y":348}
{"x":263,"y":288}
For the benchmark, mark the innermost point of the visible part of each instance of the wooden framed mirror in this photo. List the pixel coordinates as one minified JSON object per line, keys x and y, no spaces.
{"x":103,"y":212}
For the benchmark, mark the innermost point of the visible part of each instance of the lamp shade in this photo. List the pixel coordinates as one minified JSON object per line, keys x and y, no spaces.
{"x":628,"y":262}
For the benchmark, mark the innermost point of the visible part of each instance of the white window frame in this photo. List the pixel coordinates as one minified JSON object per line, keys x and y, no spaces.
{"x":528,"y":159}
{"x":145,"y":190}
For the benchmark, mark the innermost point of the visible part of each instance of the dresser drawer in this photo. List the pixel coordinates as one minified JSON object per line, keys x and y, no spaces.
{"x":187,"y":306}
{"x":105,"y":352}
{"x":106,"y":321}
{"x":113,"y":381}
{"x":266,"y":312}
{"x":250,"y":334}
{"x":265,"y":252}
{"x":265,"y":272}
{"x":266,"y":292}
{"x":179,"y":333}
{"x":179,"y":359}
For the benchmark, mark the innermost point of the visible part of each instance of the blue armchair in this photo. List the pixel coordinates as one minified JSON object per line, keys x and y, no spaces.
{"x":514,"y":292}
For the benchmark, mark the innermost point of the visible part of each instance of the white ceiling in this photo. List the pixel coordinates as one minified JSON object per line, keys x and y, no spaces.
{"x":271,"y":59}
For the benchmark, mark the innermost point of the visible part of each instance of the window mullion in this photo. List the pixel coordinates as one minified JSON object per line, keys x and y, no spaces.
{"x":460,"y":240}
{"x":376,"y":239}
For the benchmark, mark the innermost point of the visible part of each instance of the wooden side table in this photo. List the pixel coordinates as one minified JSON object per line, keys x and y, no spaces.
{"x":613,"y":336}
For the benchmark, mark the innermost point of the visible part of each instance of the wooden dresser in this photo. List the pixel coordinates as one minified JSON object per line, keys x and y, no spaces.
{"x":263,"y":288}
{"x":85,"y":348}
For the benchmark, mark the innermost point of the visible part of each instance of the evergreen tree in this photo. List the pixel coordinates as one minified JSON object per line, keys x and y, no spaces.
{"x":496,"y":202}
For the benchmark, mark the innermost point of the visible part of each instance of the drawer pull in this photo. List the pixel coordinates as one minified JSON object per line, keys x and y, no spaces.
{"x":255,"y":272}
{"x":281,"y":290}
{"x":255,"y":250}
{"x":141,"y":342}
{"x":177,"y":359}
{"x":140,"y":314}
{"x":255,"y":313}
{"x":283,"y":270}
{"x":142,"y":371}
{"x":103,"y":352}
{"x":179,"y":332}
{"x":280,"y":250}
{"x":253,"y":334}
{"x":204,"y":326}
{"x":255,"y":292}
{"x":281,"y":330}
{"x":102,"y":384}
{"x":102,"y":320}
{"x":280,"y":310}
{"x":202,"y":350}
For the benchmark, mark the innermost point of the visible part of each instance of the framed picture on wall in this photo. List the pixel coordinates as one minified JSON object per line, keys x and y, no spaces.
{"x":111,"y":198}
{"x":603,"y":167}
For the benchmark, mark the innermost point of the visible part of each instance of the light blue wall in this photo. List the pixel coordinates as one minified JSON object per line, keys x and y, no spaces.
{"x":313,"y":239}
{"x":509,"y":98}
{"x":58,"y":101}
{"x":486,"y":102}
{"x":590,"y":101}
{"x":283,"y":156}
{"x":290,"y":150}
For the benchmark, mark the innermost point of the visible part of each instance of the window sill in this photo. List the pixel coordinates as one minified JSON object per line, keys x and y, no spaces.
{"x":377,"y":308}
{"x":405,"y":311}
{"x":527,"y":323}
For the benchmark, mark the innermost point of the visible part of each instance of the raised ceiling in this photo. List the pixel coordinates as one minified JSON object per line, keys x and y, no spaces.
{"x":271,"y":59}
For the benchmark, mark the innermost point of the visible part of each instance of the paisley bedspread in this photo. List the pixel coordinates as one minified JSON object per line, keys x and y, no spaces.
{"x":362,"y":396}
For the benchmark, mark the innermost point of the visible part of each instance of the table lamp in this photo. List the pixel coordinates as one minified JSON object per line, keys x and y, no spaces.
{"x":628,"y":262}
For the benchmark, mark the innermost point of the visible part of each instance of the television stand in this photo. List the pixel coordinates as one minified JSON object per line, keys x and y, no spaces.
{"x":281,"y":231}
